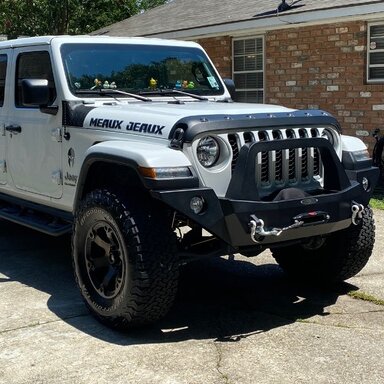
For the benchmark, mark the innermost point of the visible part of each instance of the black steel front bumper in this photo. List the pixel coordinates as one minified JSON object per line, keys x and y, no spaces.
{"x":322,"y":210}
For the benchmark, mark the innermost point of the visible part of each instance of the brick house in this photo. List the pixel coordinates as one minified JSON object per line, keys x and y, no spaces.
{"x":303,"y":54}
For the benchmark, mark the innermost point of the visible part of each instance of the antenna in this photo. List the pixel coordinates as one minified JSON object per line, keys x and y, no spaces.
{"x":283,"y":6}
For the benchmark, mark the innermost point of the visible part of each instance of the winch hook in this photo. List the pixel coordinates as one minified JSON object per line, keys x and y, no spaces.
{"x":357,"y":213}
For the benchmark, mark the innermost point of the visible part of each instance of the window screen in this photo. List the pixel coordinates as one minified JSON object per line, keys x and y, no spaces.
{"x":248,"y":69}
{"x":375,"y":50}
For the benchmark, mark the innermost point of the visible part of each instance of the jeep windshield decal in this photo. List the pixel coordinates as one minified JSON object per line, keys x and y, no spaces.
{"x":134,"y":69}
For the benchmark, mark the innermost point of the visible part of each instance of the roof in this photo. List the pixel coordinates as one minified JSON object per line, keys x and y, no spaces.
{"x":188,"y":18}
{"x":62,"y":39}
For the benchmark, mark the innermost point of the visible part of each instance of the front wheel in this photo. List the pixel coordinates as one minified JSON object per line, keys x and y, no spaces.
{"x":334,"y":258}
{"x":124,"y":261}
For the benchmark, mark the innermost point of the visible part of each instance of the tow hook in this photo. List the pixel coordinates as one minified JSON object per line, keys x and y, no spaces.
{"x":357,"y":213}
{"x":258,"y":229}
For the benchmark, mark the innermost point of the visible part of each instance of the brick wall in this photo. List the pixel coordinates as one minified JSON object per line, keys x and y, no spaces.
{"x":325,"y":67}
{"x":316,"y":67}
{"x":219,"y":50}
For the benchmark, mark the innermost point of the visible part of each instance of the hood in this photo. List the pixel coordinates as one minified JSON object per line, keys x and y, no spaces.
{"x":155,"y":118}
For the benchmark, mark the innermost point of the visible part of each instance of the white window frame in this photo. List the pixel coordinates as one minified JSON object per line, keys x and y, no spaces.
{"x":252,"y":71}
{"x":370,"y":50}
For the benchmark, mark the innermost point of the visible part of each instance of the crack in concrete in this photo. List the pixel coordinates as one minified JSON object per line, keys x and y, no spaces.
{"x":358,"y":313}
{"x":42,"y":323}
{"x":219,"y":361}
{"x":306,"y":321}
{"x":363,"y":296}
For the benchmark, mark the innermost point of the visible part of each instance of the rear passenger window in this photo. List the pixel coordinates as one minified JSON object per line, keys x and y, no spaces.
{"x":3,"y":71}
{"x":34,"y":65}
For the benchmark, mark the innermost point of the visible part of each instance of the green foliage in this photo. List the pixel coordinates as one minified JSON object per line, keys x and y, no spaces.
{"x":377,"y":200}
{"x":56,"y":17}
{"x":377,"y":203}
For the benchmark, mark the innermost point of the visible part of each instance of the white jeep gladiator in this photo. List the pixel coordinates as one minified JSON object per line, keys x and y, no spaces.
{"x":135,"y":146}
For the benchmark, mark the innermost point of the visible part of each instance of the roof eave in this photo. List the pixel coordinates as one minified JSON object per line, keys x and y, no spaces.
{"x":330,"y":15}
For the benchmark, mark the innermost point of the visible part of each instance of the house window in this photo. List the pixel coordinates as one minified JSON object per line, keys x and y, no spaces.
{"x":248,"y":69}
{"x":375,"y":49}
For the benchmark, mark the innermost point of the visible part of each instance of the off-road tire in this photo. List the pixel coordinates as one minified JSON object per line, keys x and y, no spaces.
{"x":124,"y":260}
{"x":342,"y":254}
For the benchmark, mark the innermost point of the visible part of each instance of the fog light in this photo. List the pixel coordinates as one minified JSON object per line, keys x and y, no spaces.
{"x":197,"y":204}
{"x":365,"y":183}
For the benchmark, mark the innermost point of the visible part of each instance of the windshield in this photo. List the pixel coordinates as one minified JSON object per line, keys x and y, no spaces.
{"x":138,"y":68}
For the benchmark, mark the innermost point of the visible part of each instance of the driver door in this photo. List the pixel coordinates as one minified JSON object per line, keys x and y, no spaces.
{"x":33,"y":142}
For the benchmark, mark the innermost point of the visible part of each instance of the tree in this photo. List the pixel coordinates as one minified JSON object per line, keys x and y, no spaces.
{"x":57,"y":17}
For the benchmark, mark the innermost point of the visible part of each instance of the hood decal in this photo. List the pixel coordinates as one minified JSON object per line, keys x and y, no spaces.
{"x":135,"y":126}
{"x":105,"y":123}
{"x":74,"y":113}
{"x":154,"y":129}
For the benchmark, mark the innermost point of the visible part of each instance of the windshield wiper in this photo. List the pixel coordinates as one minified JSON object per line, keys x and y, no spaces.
{"x":107,"y":91}
{"x":173,"y":92}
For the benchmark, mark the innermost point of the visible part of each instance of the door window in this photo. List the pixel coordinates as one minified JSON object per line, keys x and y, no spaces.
{"x":3,"y":71}
{"x":34,"y":65}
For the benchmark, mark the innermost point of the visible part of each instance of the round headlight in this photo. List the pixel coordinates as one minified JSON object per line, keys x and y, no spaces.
{"x":208,"y":151}
{"x":327,"y":134}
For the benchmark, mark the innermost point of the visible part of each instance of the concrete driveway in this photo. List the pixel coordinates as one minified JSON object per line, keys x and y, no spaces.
{"x":235,"y":321}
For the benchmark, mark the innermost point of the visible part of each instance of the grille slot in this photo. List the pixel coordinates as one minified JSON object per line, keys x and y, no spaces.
{"x":316,"y":162}
{"x":282,"y":167}
{"x":279,"y":158}
{"x":264,"y":171}
{"x":291,"y":158}
{"x":233,"y":142}
{"x":304,"y":156}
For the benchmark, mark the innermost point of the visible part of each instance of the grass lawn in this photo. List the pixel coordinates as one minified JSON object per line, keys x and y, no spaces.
{"x":377,"y":200}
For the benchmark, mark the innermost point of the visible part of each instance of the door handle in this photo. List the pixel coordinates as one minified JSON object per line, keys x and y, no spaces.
{"x":13,"y":128}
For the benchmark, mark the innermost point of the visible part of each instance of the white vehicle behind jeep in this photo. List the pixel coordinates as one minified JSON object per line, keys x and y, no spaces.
{"x":136,"y":146}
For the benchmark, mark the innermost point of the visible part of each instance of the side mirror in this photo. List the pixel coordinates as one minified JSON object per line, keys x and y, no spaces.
{"x":34,"y":92}
{"x":230,"y":84}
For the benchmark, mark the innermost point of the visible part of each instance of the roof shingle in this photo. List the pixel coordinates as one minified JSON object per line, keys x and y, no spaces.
{"x":180,"y":15}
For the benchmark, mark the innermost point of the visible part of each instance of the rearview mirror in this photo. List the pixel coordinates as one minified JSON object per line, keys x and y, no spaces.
{"x":230,"y":84}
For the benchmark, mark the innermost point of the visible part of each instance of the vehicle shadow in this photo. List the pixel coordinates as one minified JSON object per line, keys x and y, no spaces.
{"x":221,"y":299}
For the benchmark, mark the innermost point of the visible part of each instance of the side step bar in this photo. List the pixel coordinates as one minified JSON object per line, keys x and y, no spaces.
{"x":46,"y":222}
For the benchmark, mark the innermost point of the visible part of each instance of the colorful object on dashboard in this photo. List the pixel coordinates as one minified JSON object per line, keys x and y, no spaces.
{"x":191,"y":85}
{"x":97,"y":83}
{"x":152,"y":83}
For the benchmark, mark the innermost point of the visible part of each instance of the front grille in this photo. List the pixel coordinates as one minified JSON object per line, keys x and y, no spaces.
{"x":282,"y":167}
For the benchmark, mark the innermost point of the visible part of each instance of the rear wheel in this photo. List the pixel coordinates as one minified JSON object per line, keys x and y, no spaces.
{"x":124,"y":260}
{"x":336,"y":257}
